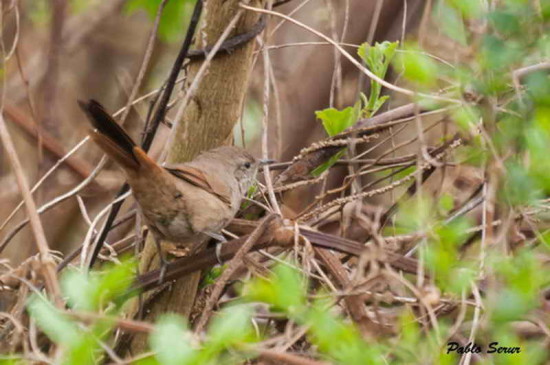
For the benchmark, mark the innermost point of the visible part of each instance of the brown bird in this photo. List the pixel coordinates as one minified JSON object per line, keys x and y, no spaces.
{"x":180,"y":203}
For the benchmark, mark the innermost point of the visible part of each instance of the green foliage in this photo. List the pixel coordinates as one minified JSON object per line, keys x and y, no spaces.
{"x":378,"y":59}
{"x":174,"y":17}
{"x":338,"y":340}
{"x":415,"y":347}
{"x":514,"y":114}
{"x":231,"y":330}
{"x":285,"y":291}
{"x":59,"y":328}
{"x":417,"y":67}
{"x":522,"y":277}
{"x":336,"y":121}
{"x":450,"y":20}
{"x":441,"y":251}
{"x":443,"y":256}
{"x":103,"y":293}
{"x":172,"y":342}
{"x":94,"y":291}
{"x":416,"y":214}
{"x":211,"y":276}
{"x":466,"y":118}
{"x":97,"y":292}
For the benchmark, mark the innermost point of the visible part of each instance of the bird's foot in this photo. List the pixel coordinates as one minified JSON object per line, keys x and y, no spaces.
{"x":220,"y":241}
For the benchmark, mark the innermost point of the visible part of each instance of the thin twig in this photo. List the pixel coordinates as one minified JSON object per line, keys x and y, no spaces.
{"x":52,"y":203}
{"x":48,"y":262}
{"x":356,"y":63}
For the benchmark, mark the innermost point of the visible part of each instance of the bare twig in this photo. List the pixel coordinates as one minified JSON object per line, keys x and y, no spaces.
{"x":52,"y":203}
{"x":356,"y":63}
{"x":48,"y":262}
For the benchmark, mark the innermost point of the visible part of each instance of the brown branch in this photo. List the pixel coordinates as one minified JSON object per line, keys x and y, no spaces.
{"x":232,"y":266}
{"x":127,"y":325}
{"x":354,"y":303}
{"x":232,"y":43}
{"x":79,"y":166}
{"x":304,"y":165}
{"x":277,"y":235}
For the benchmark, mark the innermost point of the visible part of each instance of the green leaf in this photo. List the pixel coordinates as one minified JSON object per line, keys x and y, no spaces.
{"x":538,"y":86}
{"x":147,"y":361}
{"x":377,"y":58}
{"x":340,"y":340}
{"x":446,"y":203}
{"x":284,"y":290}
{"x":211,"y":276}
{"x":59,"y":328}
{"x":519,"y":187}
{"x":450,"y":21}
{"x":442,"y":254}
{"x":336,"y":121}
{"x":417,"y":67}
{"x":497,"y":54}
{"x":172,"y":341}
{"x":231,"y":327}
{"x":80,"y":289}
{"x":377,"y":105}
{"x":327,"y":165}
{"x":416,"y":214}
{"x":114,"y":283}
{"x":472,"y":155}
{"x":94,"y":291}
{"x":537,"y":141}
{"x":510,"y":306}
{"x":466,"y":117}
{"x":505,"y":23}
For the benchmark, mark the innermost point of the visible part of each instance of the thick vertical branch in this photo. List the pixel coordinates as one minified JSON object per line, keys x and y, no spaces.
{"x":207,"y":122}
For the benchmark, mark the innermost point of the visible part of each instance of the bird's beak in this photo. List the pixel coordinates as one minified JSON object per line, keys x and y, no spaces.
{"x":266,"y":161}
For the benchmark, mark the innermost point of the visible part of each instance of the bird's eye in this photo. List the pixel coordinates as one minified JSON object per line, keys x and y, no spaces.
{"x":247,"y":165}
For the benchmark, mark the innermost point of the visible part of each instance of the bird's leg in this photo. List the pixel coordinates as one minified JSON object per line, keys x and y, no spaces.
{"x":220,"y":240}
{"x":163,"y":260}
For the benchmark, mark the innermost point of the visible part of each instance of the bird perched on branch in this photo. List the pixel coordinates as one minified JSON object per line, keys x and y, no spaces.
{"x":180,"y":203}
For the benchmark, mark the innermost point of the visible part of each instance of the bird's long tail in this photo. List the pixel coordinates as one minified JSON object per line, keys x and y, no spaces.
{"x":113,"y":140}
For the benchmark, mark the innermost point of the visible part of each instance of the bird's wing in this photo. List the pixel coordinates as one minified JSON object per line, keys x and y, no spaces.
{"x":201,"y":180}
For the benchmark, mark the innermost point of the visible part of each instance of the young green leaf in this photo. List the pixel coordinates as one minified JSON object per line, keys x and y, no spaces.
{"x":335,"y":121}
{"x":172,"y":342}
